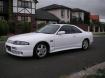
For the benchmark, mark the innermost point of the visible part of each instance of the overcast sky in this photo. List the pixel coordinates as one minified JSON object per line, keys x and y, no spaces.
{"x":94,"y":6}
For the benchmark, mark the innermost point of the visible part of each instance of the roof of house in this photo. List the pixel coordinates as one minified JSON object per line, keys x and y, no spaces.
{"x":78,"y":10}
{"x":55,"y":6}
{"x":94,"y":17}
{"x":44,"y":15}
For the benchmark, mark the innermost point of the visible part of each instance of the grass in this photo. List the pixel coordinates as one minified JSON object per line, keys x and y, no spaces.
{"x":100,"y":73}
{"x":3,"y":38}
{"x":99,"y":33}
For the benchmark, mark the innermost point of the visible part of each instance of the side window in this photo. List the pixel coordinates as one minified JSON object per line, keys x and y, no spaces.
{"x":67,"y":29}
{"x":75,"y":30}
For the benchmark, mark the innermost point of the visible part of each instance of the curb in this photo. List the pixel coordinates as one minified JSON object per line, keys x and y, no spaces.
{"x":88,"y":71}
{"x":98,"y":35}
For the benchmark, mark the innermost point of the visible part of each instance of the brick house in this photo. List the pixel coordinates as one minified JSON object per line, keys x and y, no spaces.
{"x":94,"y":18}
{"x":24,"y":10}
{"x":21,"y":10}
{"x":3,"y":9}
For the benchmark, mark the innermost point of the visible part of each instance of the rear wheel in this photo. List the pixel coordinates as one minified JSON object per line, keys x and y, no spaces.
{"x":85,"y":44}
{"x":40,"y":50}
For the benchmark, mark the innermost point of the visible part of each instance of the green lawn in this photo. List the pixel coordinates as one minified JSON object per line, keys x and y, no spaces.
{"x":3,"y":38}
{"x":100,"y":73}
{"x":99,"y":33}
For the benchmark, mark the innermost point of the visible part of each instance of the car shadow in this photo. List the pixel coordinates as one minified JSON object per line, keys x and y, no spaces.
{"x":65,"y":52}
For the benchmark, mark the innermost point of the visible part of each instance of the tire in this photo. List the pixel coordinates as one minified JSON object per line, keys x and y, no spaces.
{"x":85,"y":44}
{"x":40,"y":50}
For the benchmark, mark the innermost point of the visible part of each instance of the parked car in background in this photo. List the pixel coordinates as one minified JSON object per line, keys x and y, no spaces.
{"x":51,"y":38}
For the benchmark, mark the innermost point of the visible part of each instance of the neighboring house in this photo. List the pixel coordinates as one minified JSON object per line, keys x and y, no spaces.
{"x":80,"y":16}
{"x":60,"y":11}
{"x":21,"y":10}
{"x":24,"y":10}
{"x":45,"y":17}
{"x":102,"y":20}
{"x":94,"y":18}
{"x":3,"y":9}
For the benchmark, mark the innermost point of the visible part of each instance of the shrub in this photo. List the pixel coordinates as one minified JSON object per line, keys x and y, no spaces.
{"x":62,"y":22}
{"x":41,"y":25}
{"x":26,"y":27}
{"x":23,"y":27}
{"x":12,"y":26}
{"x":4,"y":28}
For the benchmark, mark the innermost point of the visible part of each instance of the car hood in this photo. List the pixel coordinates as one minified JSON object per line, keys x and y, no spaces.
{"x":29,"y":36}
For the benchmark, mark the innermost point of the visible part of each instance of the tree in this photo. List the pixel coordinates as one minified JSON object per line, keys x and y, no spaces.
{"x":10,"y":10}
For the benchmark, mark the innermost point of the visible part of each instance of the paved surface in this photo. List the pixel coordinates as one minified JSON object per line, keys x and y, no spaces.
{"x":53,"y":66}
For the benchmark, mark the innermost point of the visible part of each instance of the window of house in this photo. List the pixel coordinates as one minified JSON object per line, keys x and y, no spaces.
{"x":24,"y":4}
{"x":24,"y":18}
{"x":68,"y":13}
{"x":1,"y":6}
{"x":62,"y":13}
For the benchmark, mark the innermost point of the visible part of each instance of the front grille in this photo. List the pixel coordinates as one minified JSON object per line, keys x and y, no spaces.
{"x":8,"y":48}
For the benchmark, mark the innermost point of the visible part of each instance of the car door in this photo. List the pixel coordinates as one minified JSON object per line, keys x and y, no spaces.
{"x":64,"y":41}
{"x":77,"y":37}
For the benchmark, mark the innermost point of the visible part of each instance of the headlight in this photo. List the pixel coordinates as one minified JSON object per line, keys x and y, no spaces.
{"x":10,"y":41}
{"x":20,"y":43}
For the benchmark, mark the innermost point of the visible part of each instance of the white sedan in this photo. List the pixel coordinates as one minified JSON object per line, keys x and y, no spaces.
{"x":51,"y":38}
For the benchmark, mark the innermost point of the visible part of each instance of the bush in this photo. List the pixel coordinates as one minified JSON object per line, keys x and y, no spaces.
{"x":62,"y":22}
{"x":12,"y":26}
{"x":3,"y":38}
{"x":41,"y":25}
{"x":23,"y":27}
{"x":100,"y":73}
{"x":4,"y":28}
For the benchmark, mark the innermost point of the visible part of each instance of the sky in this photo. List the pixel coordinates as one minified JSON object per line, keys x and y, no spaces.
{"x":96,"y":7}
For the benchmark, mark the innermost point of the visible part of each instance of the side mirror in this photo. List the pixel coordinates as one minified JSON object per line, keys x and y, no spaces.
{"x":61,"y":32}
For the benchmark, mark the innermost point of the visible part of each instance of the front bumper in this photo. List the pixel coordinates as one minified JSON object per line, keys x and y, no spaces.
{"x":19,"y":50}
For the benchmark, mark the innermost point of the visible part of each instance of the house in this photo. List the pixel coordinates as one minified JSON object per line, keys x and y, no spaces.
{"x":20,"y":10}
{"x":94,"y":18}
{"x":45,"y":17}
{"x":80,"y":16}
{"x":65,"y":14}
{"x":60,"y":11}
{"x":3,"y":9}
{"x":24,"y":10}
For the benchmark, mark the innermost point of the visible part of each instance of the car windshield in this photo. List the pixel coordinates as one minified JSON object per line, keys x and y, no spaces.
{"x":49,"y":29}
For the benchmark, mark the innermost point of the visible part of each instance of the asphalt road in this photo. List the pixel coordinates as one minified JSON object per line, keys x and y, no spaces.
{"x":53,"y":66}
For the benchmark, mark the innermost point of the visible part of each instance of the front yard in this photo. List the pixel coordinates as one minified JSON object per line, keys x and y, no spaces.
{"x":98,"y":33}
{"x":100,"y":73}
{"x":3,"y":38}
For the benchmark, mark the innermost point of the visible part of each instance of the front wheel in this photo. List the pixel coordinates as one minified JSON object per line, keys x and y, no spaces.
{"x":85,"y":44}
{"x":40,"y":50}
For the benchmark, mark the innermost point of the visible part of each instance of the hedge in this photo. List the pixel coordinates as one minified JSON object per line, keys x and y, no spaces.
{"x":4,"y":28}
